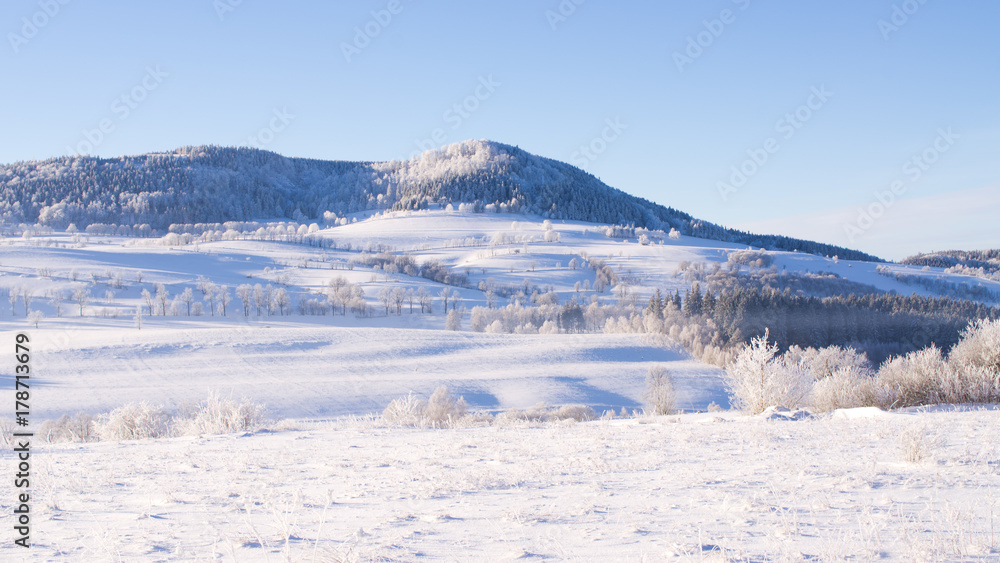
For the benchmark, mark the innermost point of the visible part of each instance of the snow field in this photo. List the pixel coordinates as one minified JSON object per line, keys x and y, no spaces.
{"x":323,"y":372}
{"x":708,"y":487}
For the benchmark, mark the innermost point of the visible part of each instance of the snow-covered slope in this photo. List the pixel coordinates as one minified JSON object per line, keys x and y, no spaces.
{"x":322,"y":366}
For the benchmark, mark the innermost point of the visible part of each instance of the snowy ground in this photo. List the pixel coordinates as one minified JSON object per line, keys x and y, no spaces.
{"x":321,"y":371}
{"x":711,"y":487}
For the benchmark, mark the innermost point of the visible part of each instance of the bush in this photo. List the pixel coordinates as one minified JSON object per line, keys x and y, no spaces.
{"x":440,"y":411}
{"x":848,"y":387}
{"x":453,"y":321}
{"x":979,"y":346}
{"x":912,"y":380}
{"x":660,"y":394}
{"x":79,"y":428}
{"x":542,"y":412}
{"x":404,"y":411}
{"x":133,"y":421}
{"x":823,"y":362}
{"x":222,"y":416}
{"x":757,"y":380}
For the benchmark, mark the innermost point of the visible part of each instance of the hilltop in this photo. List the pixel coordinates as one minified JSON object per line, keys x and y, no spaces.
{"x":209,"y":184}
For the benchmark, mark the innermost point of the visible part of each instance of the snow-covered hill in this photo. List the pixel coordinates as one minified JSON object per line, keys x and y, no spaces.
{"x":84,"y":291}
{"x":216,"y":184}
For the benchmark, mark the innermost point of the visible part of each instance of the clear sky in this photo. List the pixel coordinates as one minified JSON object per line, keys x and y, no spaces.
{"x":821,"y":104}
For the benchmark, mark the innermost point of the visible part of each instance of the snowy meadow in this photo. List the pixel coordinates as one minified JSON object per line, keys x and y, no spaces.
{"x":451,"y":384}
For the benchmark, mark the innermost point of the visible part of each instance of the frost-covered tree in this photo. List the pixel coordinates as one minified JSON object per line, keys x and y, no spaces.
{"x":660,"y":393}
{"x":34,"y":317}
{"x":187,"y":297}
{"x":453,"y":320}
{"x":757,"y":380}
{"x":445,"y":295}
{"x":244,"y":292}
{"x":162,"y":297}
{"x":224,"y":298}
{"x":81,"y":295}
{"x":281,"y":300}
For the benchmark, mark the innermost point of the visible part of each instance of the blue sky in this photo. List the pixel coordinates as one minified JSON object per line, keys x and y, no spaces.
{"x":696,"y":90}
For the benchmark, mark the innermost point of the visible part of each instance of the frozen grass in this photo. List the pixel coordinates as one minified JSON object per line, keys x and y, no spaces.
{"x":708,"y":487}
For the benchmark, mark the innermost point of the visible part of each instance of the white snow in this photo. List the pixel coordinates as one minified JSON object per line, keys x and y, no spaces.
{"x":331,"y":484}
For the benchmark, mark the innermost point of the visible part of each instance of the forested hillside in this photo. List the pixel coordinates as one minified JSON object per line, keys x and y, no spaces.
{"x":213,"y":184}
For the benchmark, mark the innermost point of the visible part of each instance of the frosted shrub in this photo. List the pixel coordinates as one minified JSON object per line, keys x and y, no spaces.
{"x":912,"y":380}
{"x":660,"y":394}
{"x":979,"y":346}
{"x":846,"y":388}
{"x":442,"y":409}
{"x":133,"y":421}
{"x":222,"y":416}
{"x":579,"y":413}
{"x":79,"y":428}
{"x":965,"y":383}
{"x":757,"y":380}
{"x":975,"y":365}
{"x":404,"y":411}
{"x":825,"y":361}
{"x":548,"y":327}
{"x":453,"y":321}
{"x":542,"y":412}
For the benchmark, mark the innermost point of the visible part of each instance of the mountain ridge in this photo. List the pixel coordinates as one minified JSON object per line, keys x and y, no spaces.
{"x":210,"y":183}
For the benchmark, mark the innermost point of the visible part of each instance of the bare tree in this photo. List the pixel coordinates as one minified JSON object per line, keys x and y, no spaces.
{"x":162,"y":296}
{"x":259,"y":298}
{"x":244,"y":292}
{"x":187,"y":297}
{"x":35,"y":317}
{"x":210,"y":293}
{"x":398,"y":296}
{"x":26,"y":296}
{"x":148,"y":298}
{"x":282,"y":300}
{"x":660,"y":392}
{"x":445,"y":295}
{"x":224,"y":298}
{"x":56,"y":297}
{"x":426,"y":302}
{"x":385,"y":296}
{"x":81,"y":295}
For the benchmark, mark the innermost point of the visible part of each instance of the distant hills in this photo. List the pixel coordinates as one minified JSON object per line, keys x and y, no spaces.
{"x":210,"y":184}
